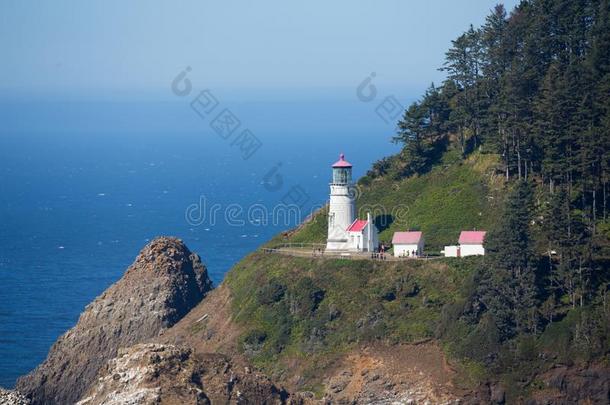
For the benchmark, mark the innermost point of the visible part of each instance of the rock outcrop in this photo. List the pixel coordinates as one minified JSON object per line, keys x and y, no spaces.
{"x":167,"y":374}
{"x":157,"y":290}
{"x":9,"y":397}
{"x":574,"y":385}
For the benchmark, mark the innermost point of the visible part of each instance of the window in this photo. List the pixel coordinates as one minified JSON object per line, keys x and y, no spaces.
{"x":341,"y":175}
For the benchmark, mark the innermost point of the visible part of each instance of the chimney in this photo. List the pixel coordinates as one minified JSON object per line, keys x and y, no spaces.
{"x":370,"y":229}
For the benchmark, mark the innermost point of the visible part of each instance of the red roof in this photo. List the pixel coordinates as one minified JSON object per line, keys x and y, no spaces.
{"x":358,"y":225}
{"x":406,"y":238}
{"x":342,"y":162}
{"x":472,"y":237}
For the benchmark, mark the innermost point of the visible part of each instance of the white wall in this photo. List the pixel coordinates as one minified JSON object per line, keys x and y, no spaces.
{"x":374,"y":242}
{"x":464,"y":250}
{"x":342,"y":210}
{"x":356,"y":241}
{"x":451,"y":251}
{"x":472,"y":250}
{"x":360,"y":242}
{"x":400,"y":250}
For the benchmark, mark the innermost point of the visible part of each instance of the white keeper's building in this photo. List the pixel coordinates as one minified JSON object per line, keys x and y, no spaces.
{"x":408,"y":244}
{"x":469,"y":244}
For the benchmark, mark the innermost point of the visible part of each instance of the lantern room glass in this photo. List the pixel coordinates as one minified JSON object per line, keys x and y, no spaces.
{"x":342,"y":175}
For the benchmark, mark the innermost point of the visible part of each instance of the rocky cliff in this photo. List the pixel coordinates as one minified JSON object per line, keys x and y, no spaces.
{"x":167,"y":374}
{"x":338,"y":324}
{"x":9,"y":397}
{"x":157,"y":290}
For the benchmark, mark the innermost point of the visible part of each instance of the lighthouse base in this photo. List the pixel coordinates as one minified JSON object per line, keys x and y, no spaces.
{"x":338,"y":245}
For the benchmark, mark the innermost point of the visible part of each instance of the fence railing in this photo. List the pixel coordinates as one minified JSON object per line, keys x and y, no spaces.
{"x":318,"y":250}
{"x":300,"y":245}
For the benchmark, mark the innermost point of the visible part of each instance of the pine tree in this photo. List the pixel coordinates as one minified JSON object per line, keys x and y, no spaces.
{"x":599,"y":63}
{"x":509,"y":286}
{"x":495,"y":61}
{"x":549,"y":123}
{"x":411,"y":132}
{"x":436,"y":110}
{"x":463,"y":62}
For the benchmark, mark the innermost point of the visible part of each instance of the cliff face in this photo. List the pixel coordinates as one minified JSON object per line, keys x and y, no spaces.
{"x":136,"y":343}
{"x":8,"y":397}
{"x":168,"y":374}
{"x":157,"y":290}
{"x":363,"y":340}
{"x":375,"y":374}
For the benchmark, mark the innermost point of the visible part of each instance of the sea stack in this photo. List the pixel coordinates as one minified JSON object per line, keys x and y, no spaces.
{"x":157,"y":290}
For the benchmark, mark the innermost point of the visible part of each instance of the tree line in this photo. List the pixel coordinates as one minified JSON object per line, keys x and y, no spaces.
{"x":534,"y":88}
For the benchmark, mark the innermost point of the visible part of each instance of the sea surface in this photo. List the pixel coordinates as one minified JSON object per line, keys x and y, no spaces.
{"x":85,"y":185}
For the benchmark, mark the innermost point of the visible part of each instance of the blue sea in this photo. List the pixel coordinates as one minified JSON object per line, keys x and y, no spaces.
{"x":85,"y":185}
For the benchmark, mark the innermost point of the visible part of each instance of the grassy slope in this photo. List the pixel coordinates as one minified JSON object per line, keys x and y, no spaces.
{"x":357,"y":302}
{"x":298,"y":315}
{"x":455,"y":195}
{"x":364,"y":301}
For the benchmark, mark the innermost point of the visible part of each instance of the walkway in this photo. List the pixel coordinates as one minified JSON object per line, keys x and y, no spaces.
{"x":318,"y":251}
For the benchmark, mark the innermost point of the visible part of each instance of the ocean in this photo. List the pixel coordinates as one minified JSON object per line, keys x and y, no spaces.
{"x":85,"y":185}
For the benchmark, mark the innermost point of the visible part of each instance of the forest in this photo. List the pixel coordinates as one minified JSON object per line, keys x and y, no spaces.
{"x":533,"y":87}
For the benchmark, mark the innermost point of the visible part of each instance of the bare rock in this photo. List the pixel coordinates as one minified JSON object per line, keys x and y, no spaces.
{"x":571,"y":385}
{"x":497,"y":394}
{"x":9,"y":397}
{"x":167,"y":374}
{"x":157,"y":290}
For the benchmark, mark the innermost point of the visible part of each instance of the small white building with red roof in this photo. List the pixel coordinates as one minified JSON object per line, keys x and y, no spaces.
{"x":408,"y":244}
{"x":345,"y":231}
{"x":362,"y":235}
{"x":470,"y":243}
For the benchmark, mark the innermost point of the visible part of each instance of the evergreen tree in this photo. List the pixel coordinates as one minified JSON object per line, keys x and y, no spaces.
{"x":422,"y":130}
{"x":437,"y":110}
{"x":464,"y":66}
{"x":495,"y":62}
{"x":508,"y":288}
{"x":549,"y":122}
{"x":411,"y":132}
{"x":534,"y":88}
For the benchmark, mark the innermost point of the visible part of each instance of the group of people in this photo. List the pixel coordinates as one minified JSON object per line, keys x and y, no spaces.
{"x":378,"y":256}
{"x":410,"y":253}
{"x":379,"y":253}
{"x":317,"y":252}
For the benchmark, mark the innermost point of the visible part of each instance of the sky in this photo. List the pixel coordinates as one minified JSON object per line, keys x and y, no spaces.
{"x":117,"y":48}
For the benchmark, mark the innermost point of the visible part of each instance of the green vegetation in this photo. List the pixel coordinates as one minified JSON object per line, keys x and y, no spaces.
{"x":516,"y":141}
{"x":453,"y":196}
{"x":508,"y":280}
{"x":313,"y":230}
{"x":315,"y":310}
{"x":532,"y":87}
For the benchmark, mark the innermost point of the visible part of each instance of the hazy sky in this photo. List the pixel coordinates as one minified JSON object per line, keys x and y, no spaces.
{"x":124,"y":47}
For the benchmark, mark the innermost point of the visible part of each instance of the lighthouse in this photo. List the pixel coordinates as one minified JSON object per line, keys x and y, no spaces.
{"x":345,"y":231}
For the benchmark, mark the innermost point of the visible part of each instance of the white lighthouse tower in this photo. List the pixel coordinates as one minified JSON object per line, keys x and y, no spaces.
{"x":342,"y":207}
{"x":345,"y":231}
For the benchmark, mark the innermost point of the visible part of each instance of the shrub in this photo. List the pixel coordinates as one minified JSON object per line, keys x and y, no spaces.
{"x":253,"y":341}
{"x":305,"y":297}
{"x":270,"y":293}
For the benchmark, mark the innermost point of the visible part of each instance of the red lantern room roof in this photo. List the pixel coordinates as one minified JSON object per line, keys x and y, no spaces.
{"x":342,"y":162}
